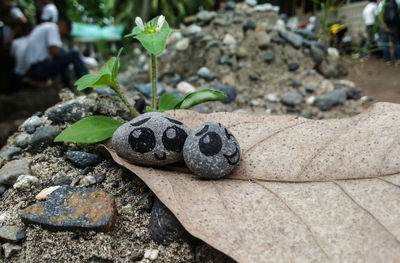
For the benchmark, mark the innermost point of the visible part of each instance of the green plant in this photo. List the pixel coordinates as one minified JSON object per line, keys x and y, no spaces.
{"x":327,"y":17}
{"x":153,"y":36}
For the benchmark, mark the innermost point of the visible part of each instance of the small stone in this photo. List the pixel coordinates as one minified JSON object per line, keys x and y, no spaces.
{"x":230,"y":92}
{"x":22,"y":140}
{"x":185,"y":88}
{"x":147,"y":89}
{"x":151,"y":254}
{"x":272,"y":97}
{"x":46,"y":192}
{"x":293,"y":66}
{"x":310,"y":100}
{"x":310,"y":90}
{"x":182,"y":44}
{"x":225,"y":61}
{"x":72,"y":111}
{"x":229,"y":40}
{"x":10,"y":249}
{"x":174,"y":38}
{"x":333,"y":53}
{"x":12,"y":233}
{"x":83,"y":159}
{"x":10,"y":152}
{"x":249,"y":25}
{"x":140,"y":105}
{"x":146,"y":202}
{"x":205,"y":16}
{"x":175,"y":80}
{"x":242,"y":52}
{"x":42,"y":138}
{"x":331,"y":99}
{"x":263,"y":39}
{"x":10,"y":172}
{"x":296,"y":84}
{"x":204,"y":73}
{"x":62,"y":180}
{"x":269,"y":56}
{"x":73,"y":208}
{"x":88,"y":180}
{"x":277,"y":40}
{"x":25,"y":182}
{"x":230,"y":5}
{"x":211,"y":151}
{"x":164,"y":227}
{"x":31,"y":124}
{"x":291,"y":98}
{"x":318,"y":52}
{"x":251,"y":2}
{"x":2,"y":189}
{"x":292,"y":38}
{"x":106,"y":91}
{"x":152,"y":138}
{"x":100,"y":177}
{"x":115,"y":184}
{"x":87,"y":170}
{"x":193,"y":29}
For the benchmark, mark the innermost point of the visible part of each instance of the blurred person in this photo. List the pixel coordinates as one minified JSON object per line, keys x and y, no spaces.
{"x":370,"y":13}
{"x":390,"y":30}
{"x":311,"y":22}
{"x":44,"y":58}
{"x":49,"y":12}
{"x":90,"y":61}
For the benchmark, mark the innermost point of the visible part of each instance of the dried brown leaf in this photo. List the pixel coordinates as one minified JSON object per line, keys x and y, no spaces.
{"x":305,"y":191}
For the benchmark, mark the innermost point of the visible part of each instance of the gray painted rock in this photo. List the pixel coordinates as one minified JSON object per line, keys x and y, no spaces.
{"x":211,"y":151}
{"x":152,"y":138}
{"x":72,"y":208}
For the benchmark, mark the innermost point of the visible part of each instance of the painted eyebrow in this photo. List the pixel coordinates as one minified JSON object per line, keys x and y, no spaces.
{"x":140,"y":122}
{"x":174,"y":121}
{"x":204,"y":130}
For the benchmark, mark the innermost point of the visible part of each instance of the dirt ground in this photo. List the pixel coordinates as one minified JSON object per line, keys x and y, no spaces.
{"x":378,"y":80}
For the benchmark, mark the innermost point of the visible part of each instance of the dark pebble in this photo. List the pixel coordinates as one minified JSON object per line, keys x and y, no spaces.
{"x":249,"y":25}
{"x":296,"y":84}
{"x":87,"y":170}
{"x":225,"y":61}
{"x":100,"y":177}
{"x":292,"y":109}
{"x":354,"y":94}
{"x":115,"y":184}
{"x":42,"y":138}
{"x":62,"y":180}
{"x":253,"y":77}
{"x":146,"y":202}
{"x":277,"y":40}
{"x":269,"y":56}
{"x":10,"y":152}
{"x":174,"y":80}
{"x":2,"y":189}
{"x":146,"y":89}
{"x":38,"y":113}
{"x":73,"y":208}
{"x":72,"y":111}
{"x":230,"y":92}
{"x":164,"y":227}
{"x":83,"y":159}
{"x":140,"y":105}
{"x":310,"y":90}
{"x":307,"y":115}
{"x":293,"y":66}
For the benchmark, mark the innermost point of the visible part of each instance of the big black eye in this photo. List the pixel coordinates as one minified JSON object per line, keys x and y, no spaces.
{"x":142,"y":140}
{"x":210,"y":144}
{"x":174,"y":138}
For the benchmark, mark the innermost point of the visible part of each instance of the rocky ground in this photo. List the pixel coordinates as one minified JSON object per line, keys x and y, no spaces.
{"x":264,"y":68}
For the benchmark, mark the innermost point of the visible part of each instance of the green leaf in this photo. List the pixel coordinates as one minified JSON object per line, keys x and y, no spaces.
{"x":156,"y":42}
{"x":150,"y":109}
{"x":199,"y":97}
{"x":89,"y":130}
{"x":168,"y":101}
{"x":108,"y":67}
{"x":86,"y":81}
{"x":136,"y":30}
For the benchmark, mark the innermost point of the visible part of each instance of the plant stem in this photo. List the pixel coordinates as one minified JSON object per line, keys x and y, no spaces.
{"x":154,"y":80}
{"x":124,"y":100}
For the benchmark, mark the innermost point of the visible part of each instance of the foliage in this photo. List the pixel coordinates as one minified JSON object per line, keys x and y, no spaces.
{"x":171,"y":102}
{"x":327,"y":17}
{"x":91,"y":11}
{"x":89,"y":130}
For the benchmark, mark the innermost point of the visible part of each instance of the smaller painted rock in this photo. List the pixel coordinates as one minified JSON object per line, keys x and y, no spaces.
{"x":152,"y":138}
{"x":211,"y":151}
{"x":73,"y":208}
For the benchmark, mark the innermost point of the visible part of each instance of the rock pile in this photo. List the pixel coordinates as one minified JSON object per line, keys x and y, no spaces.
{"x":247,"y":51}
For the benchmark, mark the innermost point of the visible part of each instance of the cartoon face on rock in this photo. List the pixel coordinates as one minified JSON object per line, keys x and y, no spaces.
{"x":151,"y":139}
{"x":211,"y":151}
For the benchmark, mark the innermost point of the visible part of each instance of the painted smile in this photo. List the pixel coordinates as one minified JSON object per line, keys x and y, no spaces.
{"x":233,"y":158}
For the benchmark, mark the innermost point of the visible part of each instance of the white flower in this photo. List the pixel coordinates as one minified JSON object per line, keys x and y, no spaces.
{"x":160,"y":22}
{"x":139,"y":23}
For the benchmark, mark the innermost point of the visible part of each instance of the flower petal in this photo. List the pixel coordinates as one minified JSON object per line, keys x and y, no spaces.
{"x":139,"y":23}
{"x":160,"y":22}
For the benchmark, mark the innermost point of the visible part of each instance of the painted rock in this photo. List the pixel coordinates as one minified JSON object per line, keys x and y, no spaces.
{"x":73,"y":208}
{"x":211,"y":151}
{"x":152,"y":138}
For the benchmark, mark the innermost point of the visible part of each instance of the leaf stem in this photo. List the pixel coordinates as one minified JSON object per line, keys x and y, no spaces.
{"x":154,"y":80}
{"x":124,"y":100}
